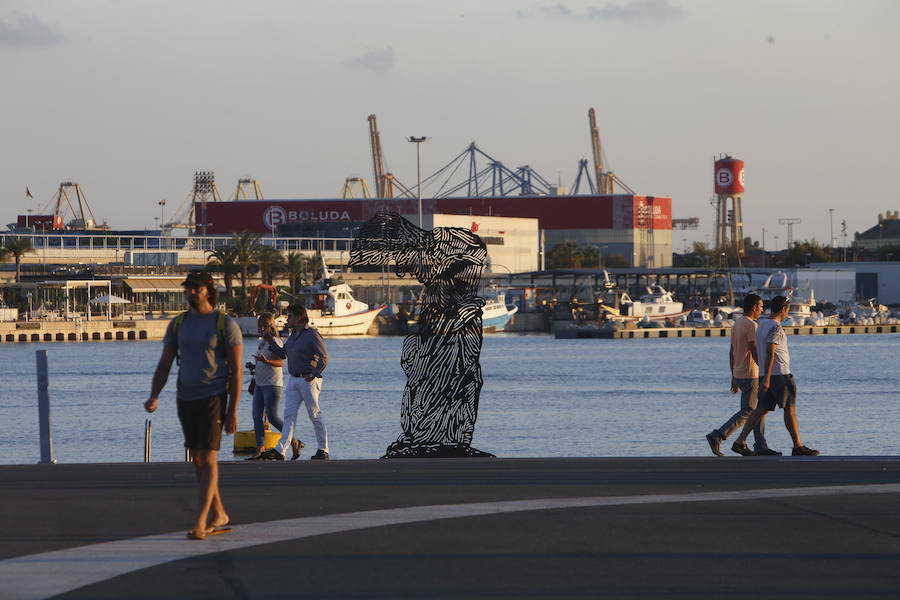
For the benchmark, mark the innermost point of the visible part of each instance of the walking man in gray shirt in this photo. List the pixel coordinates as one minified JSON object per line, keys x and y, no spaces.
{"x":306,"y":359}
{"x":208,"y":346}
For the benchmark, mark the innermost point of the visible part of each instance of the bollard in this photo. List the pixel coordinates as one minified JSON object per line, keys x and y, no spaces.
{"x":43,"y":385}
{"x":147,"y":440}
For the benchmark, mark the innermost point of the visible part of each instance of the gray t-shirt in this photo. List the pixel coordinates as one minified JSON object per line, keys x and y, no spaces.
{"x":203,"y":370}
{"x":770,"y":332}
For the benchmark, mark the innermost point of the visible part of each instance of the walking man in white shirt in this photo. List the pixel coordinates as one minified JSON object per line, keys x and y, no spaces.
{"x":744,"y":362}
{"x":776,"y":383}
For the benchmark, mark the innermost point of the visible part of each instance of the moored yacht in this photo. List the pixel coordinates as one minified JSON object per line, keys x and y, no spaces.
{"x":656,"y":305}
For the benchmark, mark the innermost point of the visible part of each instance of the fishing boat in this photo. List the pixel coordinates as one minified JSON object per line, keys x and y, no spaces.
{"x":331,"y":308}
{"x":656,"y":305}
{"x":496,"y":313}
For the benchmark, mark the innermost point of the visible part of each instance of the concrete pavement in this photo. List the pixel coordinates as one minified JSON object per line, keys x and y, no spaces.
{"x":468,"y":528}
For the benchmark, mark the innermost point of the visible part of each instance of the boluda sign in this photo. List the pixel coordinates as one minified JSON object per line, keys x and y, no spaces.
{"x":276,"y":215}
{"x":263,"y":216}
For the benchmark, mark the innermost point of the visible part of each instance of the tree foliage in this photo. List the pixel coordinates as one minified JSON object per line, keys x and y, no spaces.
{"x":246,"y":247}
{"x":803,"y":253}
{"x":295,"y":267}
{"x":224,"y":260}
{"x":270,"y":262}
{"x":17,"y":247}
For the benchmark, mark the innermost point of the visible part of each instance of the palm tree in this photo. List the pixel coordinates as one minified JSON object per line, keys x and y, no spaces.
{"x":246,"y":247}
{"x":295,"y":268}
{"x":270,"y":262}
{"x":17,"y":247}
{"x":223,"y":260}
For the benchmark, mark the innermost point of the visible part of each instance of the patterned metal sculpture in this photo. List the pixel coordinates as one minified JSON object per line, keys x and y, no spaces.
{"x":441,"y":360}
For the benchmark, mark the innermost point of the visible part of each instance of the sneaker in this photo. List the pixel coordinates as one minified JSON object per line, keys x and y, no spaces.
{"x":742,"y":449}
{"x":714,"y":442}
{"x":319,"y":455}
{"x":271,"y":454}
{"x":804,"y":451}
{"x":296,"y":445}
{"x":768,"y":452}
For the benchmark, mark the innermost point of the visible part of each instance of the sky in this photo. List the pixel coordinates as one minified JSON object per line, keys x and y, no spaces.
{"x":129,"y":99}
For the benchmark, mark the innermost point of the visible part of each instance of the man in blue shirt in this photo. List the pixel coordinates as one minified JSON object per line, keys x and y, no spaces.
{"x":306,"y":359}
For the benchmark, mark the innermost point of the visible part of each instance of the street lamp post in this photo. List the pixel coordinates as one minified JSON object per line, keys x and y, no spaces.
{"x":418,"y":142}
{"x":831,"y":222}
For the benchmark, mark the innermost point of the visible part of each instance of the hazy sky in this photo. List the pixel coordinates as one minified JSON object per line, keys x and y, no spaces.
{"x":130,"y":98}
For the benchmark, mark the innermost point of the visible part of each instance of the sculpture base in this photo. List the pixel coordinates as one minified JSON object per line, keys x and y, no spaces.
{"x":407,"y":450}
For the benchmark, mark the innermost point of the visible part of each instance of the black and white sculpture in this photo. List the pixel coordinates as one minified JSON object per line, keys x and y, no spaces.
{"x":440,"y":360}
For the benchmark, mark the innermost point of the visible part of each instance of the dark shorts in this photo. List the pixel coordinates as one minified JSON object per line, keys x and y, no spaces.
{"x":202,"y":421}
{"x":782,"y":392}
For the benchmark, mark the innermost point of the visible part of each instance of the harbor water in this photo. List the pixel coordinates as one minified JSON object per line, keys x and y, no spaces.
{"x":542,"y":397}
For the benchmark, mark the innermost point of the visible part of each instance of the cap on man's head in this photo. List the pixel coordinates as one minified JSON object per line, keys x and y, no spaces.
{"x":198,"y":278}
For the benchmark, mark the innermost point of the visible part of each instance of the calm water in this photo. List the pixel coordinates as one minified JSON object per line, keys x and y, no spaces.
{"x":541,"y":397}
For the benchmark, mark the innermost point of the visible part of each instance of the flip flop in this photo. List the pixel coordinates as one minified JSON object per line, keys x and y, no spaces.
{"x":196,"y":535}
{"x":218,"y":530}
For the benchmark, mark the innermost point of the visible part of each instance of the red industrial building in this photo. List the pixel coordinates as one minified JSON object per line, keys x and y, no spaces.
{"x":637,"y":227}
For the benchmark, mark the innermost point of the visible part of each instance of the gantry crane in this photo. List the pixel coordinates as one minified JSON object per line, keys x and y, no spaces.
{"x":347,"y":192}
{"x":80,"y":219}
{"x":243,"y":185}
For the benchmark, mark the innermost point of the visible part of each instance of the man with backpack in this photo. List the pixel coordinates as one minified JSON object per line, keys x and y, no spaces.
{"x":209,"y":347}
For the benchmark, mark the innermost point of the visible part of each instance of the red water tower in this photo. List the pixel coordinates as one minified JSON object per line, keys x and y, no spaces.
{"x":729,"y":176}
{"x":729,"y":183}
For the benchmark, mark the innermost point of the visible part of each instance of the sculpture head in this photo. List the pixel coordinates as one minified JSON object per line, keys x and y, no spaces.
{"x":444,"y":253}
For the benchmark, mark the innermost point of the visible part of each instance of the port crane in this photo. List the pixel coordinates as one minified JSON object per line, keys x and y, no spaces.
{"x":491,"y":180}
{"x":245,"y":185}
{"x":385,"y":182}
{"x":347,"y":191}
{"x":67,"y":192}
{"x":605,"y":179}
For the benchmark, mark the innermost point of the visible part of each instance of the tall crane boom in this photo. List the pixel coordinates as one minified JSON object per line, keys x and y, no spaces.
{"x":599,"y":175}
{"x":605,"y":179}
{"x":377,"y":159}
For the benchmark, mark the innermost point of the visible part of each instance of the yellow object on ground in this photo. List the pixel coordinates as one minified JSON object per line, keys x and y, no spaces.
{"x":245,"y":441}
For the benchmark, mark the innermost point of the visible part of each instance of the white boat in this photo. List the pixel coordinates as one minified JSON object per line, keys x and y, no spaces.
{"x":699,"y":317}
{"x":868,"y":312}
{"x":496,"y":313}
{"x":656,"y":305}
{"x":801,"y":310}
{"x":331,"y":307}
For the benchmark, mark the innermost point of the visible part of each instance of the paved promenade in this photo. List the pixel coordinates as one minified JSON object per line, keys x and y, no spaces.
{"x":479,"y":528}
